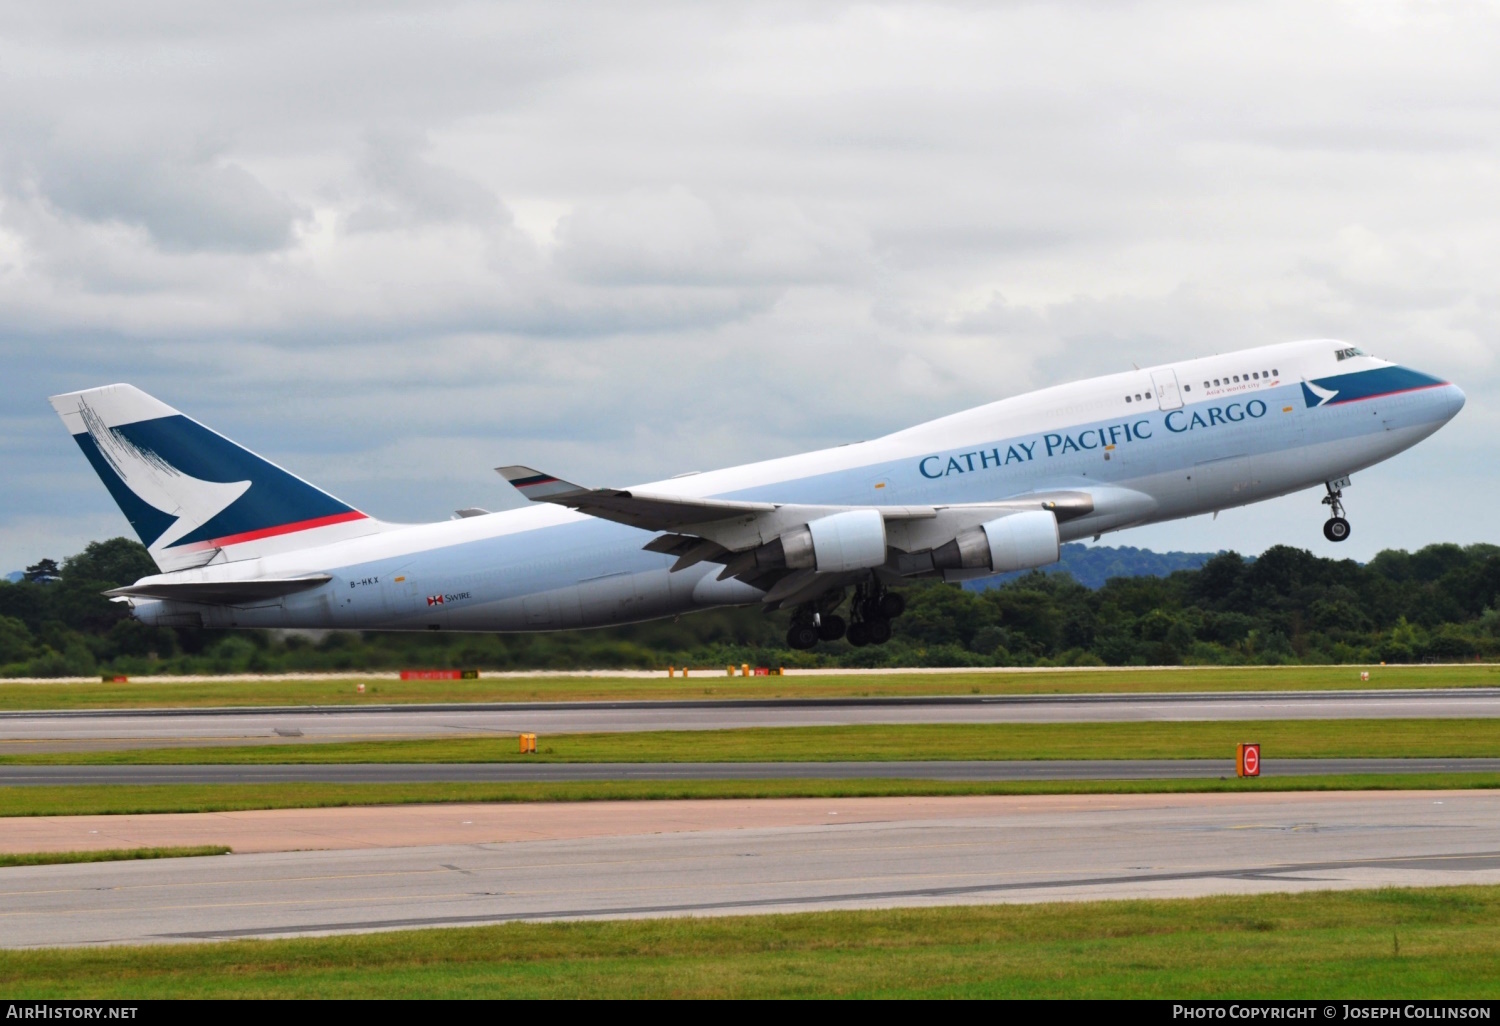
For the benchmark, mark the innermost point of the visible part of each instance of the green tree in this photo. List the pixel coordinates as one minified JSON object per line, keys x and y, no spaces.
{"x":114,"y":563}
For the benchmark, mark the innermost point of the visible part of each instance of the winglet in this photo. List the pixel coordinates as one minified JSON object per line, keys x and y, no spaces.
{"x":535,"y":485}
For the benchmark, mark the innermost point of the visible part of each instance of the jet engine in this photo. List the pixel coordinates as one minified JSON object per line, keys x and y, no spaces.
{"x":844,"y":541}
{"x":1019,"y":541}
{"x":853,"y":540}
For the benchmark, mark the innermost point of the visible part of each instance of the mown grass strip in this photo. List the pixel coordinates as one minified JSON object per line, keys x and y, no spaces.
{"x":122,"y":799}
{"x":51,"y":858}
{"x":1393,"y":943}
{"x":207,"y":693}
{"x":1311,"y":739}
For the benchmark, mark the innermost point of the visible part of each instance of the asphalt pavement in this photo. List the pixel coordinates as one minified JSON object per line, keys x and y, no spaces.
{"x":666,"y":859}
{"x":555,"y":772}
{"x":84,"y":729}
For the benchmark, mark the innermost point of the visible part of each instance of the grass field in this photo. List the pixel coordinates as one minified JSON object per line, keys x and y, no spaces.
{"x":1432,"y":943}
{"x":52,"y":858}
{"x":1430,"y":738}
{"x":200,"y":693}
{"x":123,"y":799}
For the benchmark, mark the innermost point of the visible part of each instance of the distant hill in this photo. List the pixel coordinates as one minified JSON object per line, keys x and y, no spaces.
{"x":16,"y":575}
{"x":1091,"y":566}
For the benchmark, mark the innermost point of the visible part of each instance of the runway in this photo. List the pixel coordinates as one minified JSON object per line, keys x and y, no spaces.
{"x":75,"y":730}
{"x":494,"y":863}
{"x":556,"y":772}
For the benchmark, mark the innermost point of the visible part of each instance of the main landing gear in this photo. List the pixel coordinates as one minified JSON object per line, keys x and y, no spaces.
{"x":1336,"y":529}
{"x":870,"y":614}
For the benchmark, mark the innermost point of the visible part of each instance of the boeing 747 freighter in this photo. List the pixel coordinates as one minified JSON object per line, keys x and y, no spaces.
{"x":243,"y":543}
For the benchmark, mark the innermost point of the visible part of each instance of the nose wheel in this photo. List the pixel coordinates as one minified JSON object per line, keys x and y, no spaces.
{"x":1336,"y":528}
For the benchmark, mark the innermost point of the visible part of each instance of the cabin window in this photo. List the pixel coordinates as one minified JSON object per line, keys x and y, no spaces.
{"x":1205,"y":384}
{"x":1127,"y":398}
{"x":1187,"y":388}
{"x":1216,"y":382}
{"x":1276,"y":372}
{"x":1265,"y":374}
{"x":1256,"y":375}
{"x":1148,"y":395}
{"x":1236,"y":379}
{"x":1138,"y":397}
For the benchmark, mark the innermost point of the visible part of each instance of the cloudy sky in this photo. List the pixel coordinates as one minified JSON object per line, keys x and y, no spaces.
{"x":393,"y":246}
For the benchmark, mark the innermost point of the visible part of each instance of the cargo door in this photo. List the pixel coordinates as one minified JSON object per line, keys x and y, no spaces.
{"x":540,"y":611}
{"x":1168,"y":396}
{"x":412,"y":601}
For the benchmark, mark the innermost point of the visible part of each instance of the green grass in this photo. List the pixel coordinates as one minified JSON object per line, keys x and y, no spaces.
{"x":704,"y":684}
{"x":122,"y":799}
{"x":1409,"y":944}
{"x":52,"y":858}
{"x":1429,"y":738}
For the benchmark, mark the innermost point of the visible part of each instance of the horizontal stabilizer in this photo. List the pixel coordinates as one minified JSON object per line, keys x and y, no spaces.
{"x":221,"y":593}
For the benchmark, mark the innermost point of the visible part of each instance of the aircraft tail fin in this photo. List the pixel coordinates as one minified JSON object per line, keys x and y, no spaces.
{"x":193,"y":496}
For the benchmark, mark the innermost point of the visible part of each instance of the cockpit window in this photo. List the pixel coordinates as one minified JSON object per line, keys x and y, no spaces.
{"x":1350,"y":353}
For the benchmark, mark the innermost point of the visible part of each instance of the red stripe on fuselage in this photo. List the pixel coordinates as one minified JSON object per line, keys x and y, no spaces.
{"x":271,"y":532}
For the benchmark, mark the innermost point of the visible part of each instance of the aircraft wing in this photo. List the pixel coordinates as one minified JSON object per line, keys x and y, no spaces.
{"x":740,"y":534}
{"x":221,"y":593}
{"x":655,"y":512}
{"x":650,"y":512}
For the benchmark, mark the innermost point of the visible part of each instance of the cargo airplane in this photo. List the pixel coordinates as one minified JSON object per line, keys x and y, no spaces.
{"x":243,"y":543}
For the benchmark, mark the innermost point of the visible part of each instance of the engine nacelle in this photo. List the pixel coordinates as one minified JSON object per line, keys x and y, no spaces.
{"x":1020,"y":541}
{"x":854,"y":540}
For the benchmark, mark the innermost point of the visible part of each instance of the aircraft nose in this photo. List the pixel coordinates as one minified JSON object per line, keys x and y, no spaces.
{"x":1453,"y":400}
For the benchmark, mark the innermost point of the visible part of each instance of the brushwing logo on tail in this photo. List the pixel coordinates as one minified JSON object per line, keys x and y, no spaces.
{"x":156,"y":482}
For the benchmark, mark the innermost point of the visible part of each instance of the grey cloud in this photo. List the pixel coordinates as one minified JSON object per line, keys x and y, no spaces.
{"x":411,"y":190}
{"x":677,"y":236}
{"x":185,"y":204}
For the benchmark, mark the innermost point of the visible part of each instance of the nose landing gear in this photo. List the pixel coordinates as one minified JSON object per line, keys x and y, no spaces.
{"x":1336,"y":529}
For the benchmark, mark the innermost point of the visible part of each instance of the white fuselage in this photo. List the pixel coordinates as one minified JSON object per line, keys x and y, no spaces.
{"x":1152,"y":445}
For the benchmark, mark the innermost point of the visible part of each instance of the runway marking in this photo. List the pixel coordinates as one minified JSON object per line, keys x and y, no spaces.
{"x":1271,"y":874}
{"x":1187,"y":872}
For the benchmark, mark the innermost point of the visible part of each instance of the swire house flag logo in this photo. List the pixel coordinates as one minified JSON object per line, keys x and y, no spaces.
{"x":434,"y":600}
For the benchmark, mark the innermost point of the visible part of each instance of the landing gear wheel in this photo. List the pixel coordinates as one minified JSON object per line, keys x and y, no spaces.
{"x":858,"y":634}
{"x":832,"y":627}
{"x":802,"y":635}
{"x":878,"y":631}
{"x":1337,"y":528}
{"x":892,"y":605}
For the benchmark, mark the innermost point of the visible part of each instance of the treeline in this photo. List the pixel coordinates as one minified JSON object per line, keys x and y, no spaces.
{"x":1093,"y":565}
{"x":1287,"y":606}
